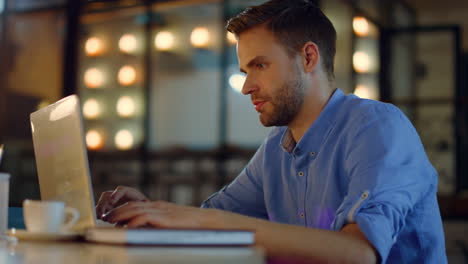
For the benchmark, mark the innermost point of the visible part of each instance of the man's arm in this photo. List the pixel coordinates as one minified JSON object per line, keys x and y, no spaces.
{"x":244,"y":195}
{"x":279,"y":240}
{"x":315,"y":245}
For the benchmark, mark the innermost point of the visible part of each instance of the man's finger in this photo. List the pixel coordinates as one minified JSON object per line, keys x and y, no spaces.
{"x":103,"y":203}
{"x":117,"y":194}
{"x":125,"y":212}
{"x":125,"y":194}
{"x":103,"y":211}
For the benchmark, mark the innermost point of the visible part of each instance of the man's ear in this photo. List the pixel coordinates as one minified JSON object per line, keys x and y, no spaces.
{"x":310,"y":56}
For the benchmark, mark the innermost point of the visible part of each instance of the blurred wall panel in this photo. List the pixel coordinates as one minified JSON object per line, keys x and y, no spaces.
{"x":436,"y":82}
{"x":36,"y":41}
{"x":31,"y":73}
{"x":185,"y":92}
{"x":23,"y":5}
{"x":341,"y":16}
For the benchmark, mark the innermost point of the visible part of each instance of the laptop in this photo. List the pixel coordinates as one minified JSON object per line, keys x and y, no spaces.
{"x":63,"y":172}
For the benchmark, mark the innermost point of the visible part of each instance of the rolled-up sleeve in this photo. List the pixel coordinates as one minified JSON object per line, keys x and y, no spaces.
{"x":388,"y":174}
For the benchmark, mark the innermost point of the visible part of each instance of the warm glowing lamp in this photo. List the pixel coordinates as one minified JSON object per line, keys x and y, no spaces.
{"x":364,"y":91}
{"x":128,"y":43}
{"x":126,"y":106}
{"x":127,"y":75}
{"x":361,"y":26}
{"x":124,"y":140}
{"x":164,"y":41}
{"x":93,"y":47}
{"x":231,"y":38}
{"x":200,"y":37}
{"x":361,"y":62}
{"x":91,"y":109}
{"x":237,"y":82}
{"x":93,"y":78}
{"x":94,"y":140}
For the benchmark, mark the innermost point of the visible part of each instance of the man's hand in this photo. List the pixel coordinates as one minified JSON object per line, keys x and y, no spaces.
{"x":112,"y":199}
{"x":166,"y":215}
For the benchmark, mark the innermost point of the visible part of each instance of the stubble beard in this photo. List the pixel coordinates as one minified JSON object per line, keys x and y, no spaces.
{"x":286,"y":102}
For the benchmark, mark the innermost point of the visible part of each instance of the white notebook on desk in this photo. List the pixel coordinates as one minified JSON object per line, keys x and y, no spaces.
{"x":63,"y":170}
{"x":170,"y":237}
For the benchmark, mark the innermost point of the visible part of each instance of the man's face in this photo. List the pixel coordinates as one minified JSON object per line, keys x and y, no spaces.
{"x":274,"y":80}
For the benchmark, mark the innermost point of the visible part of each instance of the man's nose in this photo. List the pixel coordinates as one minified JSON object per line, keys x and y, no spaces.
{"x":249,"y":87}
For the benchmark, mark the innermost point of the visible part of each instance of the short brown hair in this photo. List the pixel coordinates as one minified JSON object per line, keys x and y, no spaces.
{"x":293,"y":23}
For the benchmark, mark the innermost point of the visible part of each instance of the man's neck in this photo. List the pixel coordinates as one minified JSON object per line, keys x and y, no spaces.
{"x":313,"y":105}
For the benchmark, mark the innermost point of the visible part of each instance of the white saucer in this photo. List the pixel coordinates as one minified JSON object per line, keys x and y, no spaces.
{"x":23,"y":234}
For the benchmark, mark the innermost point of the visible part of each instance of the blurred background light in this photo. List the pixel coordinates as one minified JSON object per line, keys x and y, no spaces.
{"x":361,"y":26}
{"x":126,"y":106}
{"x":93,"y":78}
{"x":128,"y":43}
{"x":42,"y":104}
{"x":94,"y":140}
{"x":124,"y":140}
{"x":200,"y":37}
{"x":127,"y":75}
{"x":237,"y":82}
{"x":93,"y":47}
{"x":91,"y":109}
{"x":231,"y":38}
{"x":361,"y":62}
{"x":364,"y":91}
{"x":164,"y":41}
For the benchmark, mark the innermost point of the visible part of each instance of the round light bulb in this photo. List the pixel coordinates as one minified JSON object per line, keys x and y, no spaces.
{"x":366,"y":92}
{"x":231,"y":38}
{"x":94,"y":140}
{"x":128,"y":43}
{"x":127,"y":75}
{"x":91,"y":109}
{"x":200,"y":37}
{"x":361,"y":26}
{"x":126,"y":106}
{"x":93,"y":46}
{"x":237,"y":82}
{"x":361,"y":62}
{"x":164,"y":41}
{"x":124,"y":140}
{"x":94,"y":78}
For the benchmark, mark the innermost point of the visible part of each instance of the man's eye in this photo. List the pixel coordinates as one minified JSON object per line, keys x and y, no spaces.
{"x":260,"y":65}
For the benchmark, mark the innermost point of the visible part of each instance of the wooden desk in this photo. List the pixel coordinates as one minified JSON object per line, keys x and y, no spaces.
{"x":87,"y":253}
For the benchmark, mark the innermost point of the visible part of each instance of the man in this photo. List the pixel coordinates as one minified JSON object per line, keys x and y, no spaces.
{"x":339,"y":180}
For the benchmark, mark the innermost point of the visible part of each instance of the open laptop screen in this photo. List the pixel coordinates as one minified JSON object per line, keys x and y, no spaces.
{"x":61,"y":158}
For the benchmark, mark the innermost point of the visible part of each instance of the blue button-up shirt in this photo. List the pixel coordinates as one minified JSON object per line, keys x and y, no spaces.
{"x":360,"y":162}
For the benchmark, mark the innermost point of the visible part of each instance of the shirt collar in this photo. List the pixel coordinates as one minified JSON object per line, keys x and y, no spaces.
{"x":317,"y":132}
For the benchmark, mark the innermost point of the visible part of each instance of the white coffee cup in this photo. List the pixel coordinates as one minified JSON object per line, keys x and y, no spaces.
{"x":49,"y":216}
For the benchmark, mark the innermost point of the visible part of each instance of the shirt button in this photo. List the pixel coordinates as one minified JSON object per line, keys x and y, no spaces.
{"x":301,"y":173}
{"x":302,"y":215}
{"x":312,"y":154}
